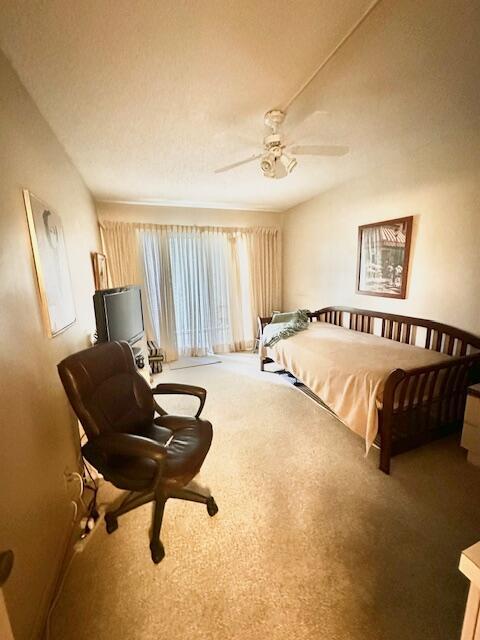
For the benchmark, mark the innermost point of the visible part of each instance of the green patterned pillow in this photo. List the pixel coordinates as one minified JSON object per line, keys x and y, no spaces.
{"x":288,"y":316}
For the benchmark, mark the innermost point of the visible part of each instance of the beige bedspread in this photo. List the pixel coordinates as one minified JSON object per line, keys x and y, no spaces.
{"x":347,"y":369}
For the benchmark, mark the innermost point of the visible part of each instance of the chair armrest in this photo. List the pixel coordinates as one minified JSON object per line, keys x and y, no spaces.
{"x":173,"y":388}
{"x":127,"y":444}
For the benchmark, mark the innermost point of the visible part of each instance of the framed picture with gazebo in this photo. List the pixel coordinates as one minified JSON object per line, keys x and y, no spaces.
{"x":383,"y":255}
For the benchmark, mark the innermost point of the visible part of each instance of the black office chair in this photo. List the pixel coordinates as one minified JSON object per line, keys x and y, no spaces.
{"x":151,"y":457}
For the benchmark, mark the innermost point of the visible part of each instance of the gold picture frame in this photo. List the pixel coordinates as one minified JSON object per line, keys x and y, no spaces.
{"x":100,"y":273}
{"x":51,"y":265}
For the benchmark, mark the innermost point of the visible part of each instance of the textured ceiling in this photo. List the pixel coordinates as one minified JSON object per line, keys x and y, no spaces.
{"x":148,"y":97}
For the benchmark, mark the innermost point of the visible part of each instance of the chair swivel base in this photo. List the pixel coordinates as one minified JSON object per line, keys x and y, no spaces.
{"x":134,"y":500}
{"x":212,"y":506}
{"x":111,"y":522}
{"x":157,"y":551}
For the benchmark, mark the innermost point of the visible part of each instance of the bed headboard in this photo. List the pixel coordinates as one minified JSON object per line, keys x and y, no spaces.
{"x":415,"y":331}
{"x":262,"y":321}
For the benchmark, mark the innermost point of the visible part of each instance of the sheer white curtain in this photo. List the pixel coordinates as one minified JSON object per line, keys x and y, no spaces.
{"x":199,"y":263}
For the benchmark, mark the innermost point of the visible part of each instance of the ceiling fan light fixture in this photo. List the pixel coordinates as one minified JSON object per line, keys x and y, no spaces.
{"x":267,"y":165}
{"x":288,"y":162}
{"x":280,"y":169}
{"x":276,"y":167}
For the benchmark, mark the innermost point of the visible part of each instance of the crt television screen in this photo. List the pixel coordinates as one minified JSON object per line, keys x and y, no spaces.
{"x":124,"y":314}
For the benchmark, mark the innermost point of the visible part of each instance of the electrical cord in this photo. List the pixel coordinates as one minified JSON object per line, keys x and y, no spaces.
{"x":86,"y":466}
{"x":90,"y":512}
{"x":92,"y":509}
{"x":75,"y":510}
{"x":75,"y":474}
{"x":58,"y":591}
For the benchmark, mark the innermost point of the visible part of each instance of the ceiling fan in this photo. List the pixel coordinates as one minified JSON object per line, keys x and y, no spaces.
{"x":277,"y":159}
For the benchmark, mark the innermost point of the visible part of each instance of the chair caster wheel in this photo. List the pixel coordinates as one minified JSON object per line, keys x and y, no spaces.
{"x":157,"y":551}
{"x":212,"y":507}
{"x":111,"y":523}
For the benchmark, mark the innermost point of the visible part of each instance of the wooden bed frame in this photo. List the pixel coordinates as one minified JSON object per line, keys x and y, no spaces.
{"x":422,"y":404}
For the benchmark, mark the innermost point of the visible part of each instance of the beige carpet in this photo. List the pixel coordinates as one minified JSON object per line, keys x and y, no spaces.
{"x":194,"y":361}
{"x":311,"y":540}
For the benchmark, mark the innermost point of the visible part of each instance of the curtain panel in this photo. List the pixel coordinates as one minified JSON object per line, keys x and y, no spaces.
{"x":203,"y":287}
{"x":157,"y":279}
{"x":264,"y":255}
{"x":120,"y":245}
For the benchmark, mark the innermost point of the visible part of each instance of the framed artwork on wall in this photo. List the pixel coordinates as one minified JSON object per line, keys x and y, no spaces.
{"x":383,"y":256}
{"x":99,"y":264}
{"x":51,"y":265}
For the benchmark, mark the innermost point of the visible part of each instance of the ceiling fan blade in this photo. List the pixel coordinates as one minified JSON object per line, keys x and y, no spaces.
{"x":318,"y":150}
{"x":237,"y":164}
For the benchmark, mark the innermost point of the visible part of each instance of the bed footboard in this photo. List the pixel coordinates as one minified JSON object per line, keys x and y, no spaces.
{"x":423,"y":404}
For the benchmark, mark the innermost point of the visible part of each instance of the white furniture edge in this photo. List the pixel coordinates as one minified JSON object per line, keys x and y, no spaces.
{"x":470,"y":567}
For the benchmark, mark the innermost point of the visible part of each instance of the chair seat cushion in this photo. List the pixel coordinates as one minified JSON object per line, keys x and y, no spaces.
{"x":188,"y":447}
{"x":187,"y":440}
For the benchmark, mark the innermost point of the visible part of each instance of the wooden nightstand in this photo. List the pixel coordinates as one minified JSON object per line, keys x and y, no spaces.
{"x":471,"y":425}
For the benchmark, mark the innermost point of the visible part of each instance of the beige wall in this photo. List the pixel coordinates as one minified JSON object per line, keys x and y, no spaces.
{"x":402,"y":93}
{"x":187,"y":216}
{"x":440,"y":187}
{"x":37,"y":429}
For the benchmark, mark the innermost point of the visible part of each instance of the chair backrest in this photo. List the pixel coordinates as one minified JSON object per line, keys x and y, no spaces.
{"x":105,"y":389}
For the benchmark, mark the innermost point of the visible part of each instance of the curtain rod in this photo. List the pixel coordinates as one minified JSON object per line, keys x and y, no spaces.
{"x":105,"y":224}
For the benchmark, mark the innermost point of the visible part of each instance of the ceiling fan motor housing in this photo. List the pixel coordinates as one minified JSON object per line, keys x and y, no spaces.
{"x":273,"y":143}
{"x":274,"y":119}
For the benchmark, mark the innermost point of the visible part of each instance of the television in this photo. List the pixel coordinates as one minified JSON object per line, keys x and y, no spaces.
{"x":118,"y":314}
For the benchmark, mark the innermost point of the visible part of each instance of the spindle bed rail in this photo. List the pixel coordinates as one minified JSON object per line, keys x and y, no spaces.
{"x":420,"y":404}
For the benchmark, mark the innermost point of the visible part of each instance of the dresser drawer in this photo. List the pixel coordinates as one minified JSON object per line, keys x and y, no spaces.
{"x":472,"y":410}
{"x":471,"y":437}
